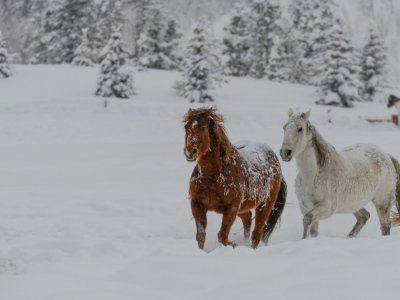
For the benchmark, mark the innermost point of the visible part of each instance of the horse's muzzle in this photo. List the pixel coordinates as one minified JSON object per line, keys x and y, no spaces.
{"x":190,"y":155}
{"x":286,"y":154}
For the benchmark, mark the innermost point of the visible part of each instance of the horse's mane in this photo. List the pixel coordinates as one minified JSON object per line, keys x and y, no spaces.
{"x":215,"y":126}
{"x":323,"y":150}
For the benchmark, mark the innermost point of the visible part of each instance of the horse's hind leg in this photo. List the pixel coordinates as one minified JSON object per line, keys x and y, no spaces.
{"x":262,"y":214}
{"x":362,"y":217}
{"x":314,"y":229}
{"x":383,"y":210}
{"x":276,"y":213}
{"x":246,"y":220}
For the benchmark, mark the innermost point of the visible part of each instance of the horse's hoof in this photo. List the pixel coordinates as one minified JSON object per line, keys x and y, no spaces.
{"x":229,"y":243}
{"x":254,"y":244}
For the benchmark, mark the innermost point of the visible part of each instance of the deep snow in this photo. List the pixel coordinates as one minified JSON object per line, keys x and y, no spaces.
{"x":93,"y":200}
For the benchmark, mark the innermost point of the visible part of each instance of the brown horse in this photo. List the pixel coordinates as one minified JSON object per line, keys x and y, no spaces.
{"x":231,"y":180}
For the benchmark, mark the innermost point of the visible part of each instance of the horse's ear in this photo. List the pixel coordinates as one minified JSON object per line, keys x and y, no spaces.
{"x":290,"y":112}
{"x":307,"y":115}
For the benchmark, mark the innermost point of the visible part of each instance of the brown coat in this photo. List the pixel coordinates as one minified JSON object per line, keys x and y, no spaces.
{"x":231,"y":180}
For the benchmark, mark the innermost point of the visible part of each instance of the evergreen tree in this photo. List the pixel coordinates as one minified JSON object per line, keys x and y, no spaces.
{"x":311,"y":20}
{"x":39,"y":50}
{"x":157,"y":43}
{"x":170,"y":45}
{"x":141,"y":8}
{"x":280,"y":68}
{"x":339,"y":78}
{"x":237,"y":41}
{"x":264,"y":27}
{"x":108,"y":17}
{"x":303,"y":14}
{"x":373,"y":64}
{"x":327,"y":20}
{"x":5,"y":69}
{"x":115,"y":79}
{"x":59,"y":35}
{"x":284,"y":53}
{"x":32,"y":40}
{"x":202,"y":68}
{"x":265,"y":15}
{"x":82,"y":55}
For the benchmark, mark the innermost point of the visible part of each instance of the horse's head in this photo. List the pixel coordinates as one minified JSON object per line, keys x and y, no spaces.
{"x":392,"y":100}
{"x":199,"y":124}
{"x":296,"y":135}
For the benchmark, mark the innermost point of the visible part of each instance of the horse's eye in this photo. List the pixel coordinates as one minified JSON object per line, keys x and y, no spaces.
{"x":300,"y":129}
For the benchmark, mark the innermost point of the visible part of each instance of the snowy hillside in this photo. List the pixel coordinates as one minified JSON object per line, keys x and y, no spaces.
{"x":93,"y":200}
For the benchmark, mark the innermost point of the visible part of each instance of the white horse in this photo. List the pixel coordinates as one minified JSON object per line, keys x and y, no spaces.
{"x":331,"y":181}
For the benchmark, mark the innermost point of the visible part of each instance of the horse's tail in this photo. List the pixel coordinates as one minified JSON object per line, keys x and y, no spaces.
{"x":396,"y":215}
{"x":276,"y":212}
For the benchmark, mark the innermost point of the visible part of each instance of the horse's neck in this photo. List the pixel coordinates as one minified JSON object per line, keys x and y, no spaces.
{"x":211,"y":163}
{"x":307,"y":162}
{"x":317,"y":154}
{"x":220,"y":153}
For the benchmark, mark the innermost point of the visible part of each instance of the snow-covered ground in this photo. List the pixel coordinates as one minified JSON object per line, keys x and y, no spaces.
{"x":93,"y":200}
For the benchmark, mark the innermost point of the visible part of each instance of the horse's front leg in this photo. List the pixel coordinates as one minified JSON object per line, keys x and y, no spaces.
{"x":200,"y":217}
{"x":311,"y":219}
{"x":246,"y":220}
{"x":228,"y":218}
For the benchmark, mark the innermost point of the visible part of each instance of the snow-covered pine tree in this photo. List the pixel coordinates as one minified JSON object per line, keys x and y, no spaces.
{"x":280,"y":68}
{"x":327,"y":20}
{"x":237,"y":41}
{"x":303,"y":14}
{"x":83,"y":54}
{"x":202,"y":68}
{"x":312,"y":20}
{"x":339,"y":79}
{"x":5,"y":69}
{"x":264,"y":15}
{"x":373,"y":64}
{"x":170,"y":45}
{"x":284,"y":53}
{"x":59,"y":35}
{"x":43,"y":33}
{"x":141,"y":11}
{"x":115,"y":79}
{"x":157,"y":43}
{"x":109,"y":17}
{"x":356,"y":69}
{"x":33,"y":31}
{"x":151,"y":38}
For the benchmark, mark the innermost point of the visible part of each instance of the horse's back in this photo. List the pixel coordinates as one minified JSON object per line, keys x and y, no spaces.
{"x":369,"y":156}
{"x":261,"y":167}
{"x":258,"y":155}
